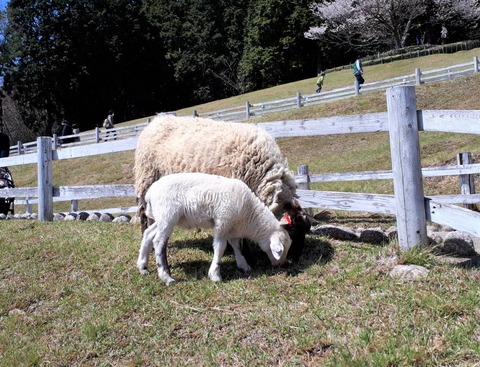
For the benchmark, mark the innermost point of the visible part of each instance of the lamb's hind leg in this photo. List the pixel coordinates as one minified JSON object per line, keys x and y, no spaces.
{"x":219,"y":245}
{"x":160,"y":244}
{"x":146,"y":248}
{"x":241,"y":261}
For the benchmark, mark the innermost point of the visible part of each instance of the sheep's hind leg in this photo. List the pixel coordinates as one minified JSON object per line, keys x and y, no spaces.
{"x":146,"y":248}
{"x":160,"y":243}
{"x":219,"y":245}
{"x":241,"y":261}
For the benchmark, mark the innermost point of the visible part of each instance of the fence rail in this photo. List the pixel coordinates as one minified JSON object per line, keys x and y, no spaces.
{"x":418,"y":77}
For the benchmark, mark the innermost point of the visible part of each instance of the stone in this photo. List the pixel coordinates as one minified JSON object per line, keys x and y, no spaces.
{"x":458,"y":244}
{"x":338,"y":233}
{"x":409,"y":272}
{"x":373,"y":235}
{"x":106,"y":217}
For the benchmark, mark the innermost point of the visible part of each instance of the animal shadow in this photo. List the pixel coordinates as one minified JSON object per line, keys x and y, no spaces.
{"x":316,"y":251}
{"x":470,"y":263}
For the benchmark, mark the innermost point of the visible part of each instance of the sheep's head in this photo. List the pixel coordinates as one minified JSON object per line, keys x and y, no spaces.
{"x":299,"y":225}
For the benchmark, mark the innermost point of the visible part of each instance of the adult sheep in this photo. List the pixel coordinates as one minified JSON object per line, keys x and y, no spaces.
{"x":171,"y":144}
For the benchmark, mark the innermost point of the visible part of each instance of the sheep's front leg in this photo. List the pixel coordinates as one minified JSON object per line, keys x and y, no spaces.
{"x":241,"y":261}
{"x":146,"y":248}
{"x":219,"y":245}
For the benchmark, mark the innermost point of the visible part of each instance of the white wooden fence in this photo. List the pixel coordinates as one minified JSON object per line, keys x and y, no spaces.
{"x":402,"y":120}
{"x":240,"y":113}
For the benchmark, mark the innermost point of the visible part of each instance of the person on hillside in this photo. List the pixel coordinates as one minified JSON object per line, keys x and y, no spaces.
{"x":358,"y":72}
{"x":320,"y":79}
{"x":109,"y":125}
{"x":4,"y":142}
{"x":65,"y":129}
{"x":444,"y":34}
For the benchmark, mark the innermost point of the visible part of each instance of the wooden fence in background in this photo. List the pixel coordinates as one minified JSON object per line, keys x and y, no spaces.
{"x":248,"y":110}
{"x":403,"y":122}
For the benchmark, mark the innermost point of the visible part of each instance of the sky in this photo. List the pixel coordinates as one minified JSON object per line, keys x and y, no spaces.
{"x":3,"y":4}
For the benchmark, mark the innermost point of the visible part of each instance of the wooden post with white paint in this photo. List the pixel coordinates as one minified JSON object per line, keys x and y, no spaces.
{"x":45,"y":178}
{"x":467,"y":183}
{"x":303,"y":171}
{"x":406,"y":167}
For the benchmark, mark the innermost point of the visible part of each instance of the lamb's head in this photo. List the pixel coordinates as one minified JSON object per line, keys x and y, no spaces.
{"x":299,"y":225}
{"x":280,"y":243}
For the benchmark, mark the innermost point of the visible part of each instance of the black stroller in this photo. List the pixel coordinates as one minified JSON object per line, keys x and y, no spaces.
{"x":6,"y":181}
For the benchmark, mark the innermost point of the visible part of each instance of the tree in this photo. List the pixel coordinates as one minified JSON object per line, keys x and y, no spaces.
{"x":375,"y":25}
{"x":204,"y":43}
{"x":460,"y":16}
{"x":275,"y":49}
{"x":366,"y":25}
{"x":76,"y":60}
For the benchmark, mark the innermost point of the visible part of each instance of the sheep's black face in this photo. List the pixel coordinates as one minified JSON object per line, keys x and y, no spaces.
{"x":300,"y":225}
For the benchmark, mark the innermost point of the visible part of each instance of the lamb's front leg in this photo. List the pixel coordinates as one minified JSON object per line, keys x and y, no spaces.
{"x":241,"y":261}
{"x":146,"y":248}
{"x":219,"y":245}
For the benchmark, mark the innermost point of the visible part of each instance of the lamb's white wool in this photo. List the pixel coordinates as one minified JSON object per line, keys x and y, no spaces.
{"x":201,"y":200}
{"x":171,"y":144}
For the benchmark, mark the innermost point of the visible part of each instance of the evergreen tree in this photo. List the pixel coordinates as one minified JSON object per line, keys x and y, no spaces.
{"x":275,"y":48}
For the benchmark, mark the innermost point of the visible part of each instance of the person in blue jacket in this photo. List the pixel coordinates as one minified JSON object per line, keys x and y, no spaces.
{"x":358,"y":71}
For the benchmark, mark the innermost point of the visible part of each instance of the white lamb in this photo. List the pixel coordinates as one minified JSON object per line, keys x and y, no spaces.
{"x":171,"y":144}
{"x":201,"y":200}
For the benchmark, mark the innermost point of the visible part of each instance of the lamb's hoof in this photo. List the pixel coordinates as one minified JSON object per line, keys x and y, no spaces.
{"x":215,"y":278}
{"x":144,"y":271}
{"x":169,"y":281}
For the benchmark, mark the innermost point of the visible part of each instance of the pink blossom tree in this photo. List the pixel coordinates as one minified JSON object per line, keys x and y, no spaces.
{"x":370,"y":24}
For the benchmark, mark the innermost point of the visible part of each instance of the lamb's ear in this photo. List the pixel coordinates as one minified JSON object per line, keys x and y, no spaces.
{"x":277,"y":249}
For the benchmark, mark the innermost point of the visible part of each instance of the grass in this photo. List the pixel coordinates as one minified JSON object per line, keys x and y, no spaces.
{"x":70,"y":294}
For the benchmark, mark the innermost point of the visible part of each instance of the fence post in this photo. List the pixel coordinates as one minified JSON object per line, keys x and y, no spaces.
{"x":299,"y":100}
{"x":467,"y":184}
{"x":55,"y":141}
{"x":475,"y":64}
{"x":247,"y":110}
{"x":418,"y":76}
{"x":45,"y":178}
{"x":303,"y":171}
{"x":357,"y":87}
{"x":97,"y":135}
{"x":406,"y":167}
{"x":28,"y":205}
{"x":20,"y":147}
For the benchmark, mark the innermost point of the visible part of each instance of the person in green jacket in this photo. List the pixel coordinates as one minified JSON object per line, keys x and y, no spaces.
{"x":321,"y":76}
{"x":358,"y":71}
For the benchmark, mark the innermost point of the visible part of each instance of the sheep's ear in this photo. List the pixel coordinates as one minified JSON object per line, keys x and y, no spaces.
{"x":286,"y":220}
{"x":277,"y":249}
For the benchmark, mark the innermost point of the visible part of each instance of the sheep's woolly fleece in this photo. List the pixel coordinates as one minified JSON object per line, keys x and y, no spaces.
{"x":171,"y":144}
